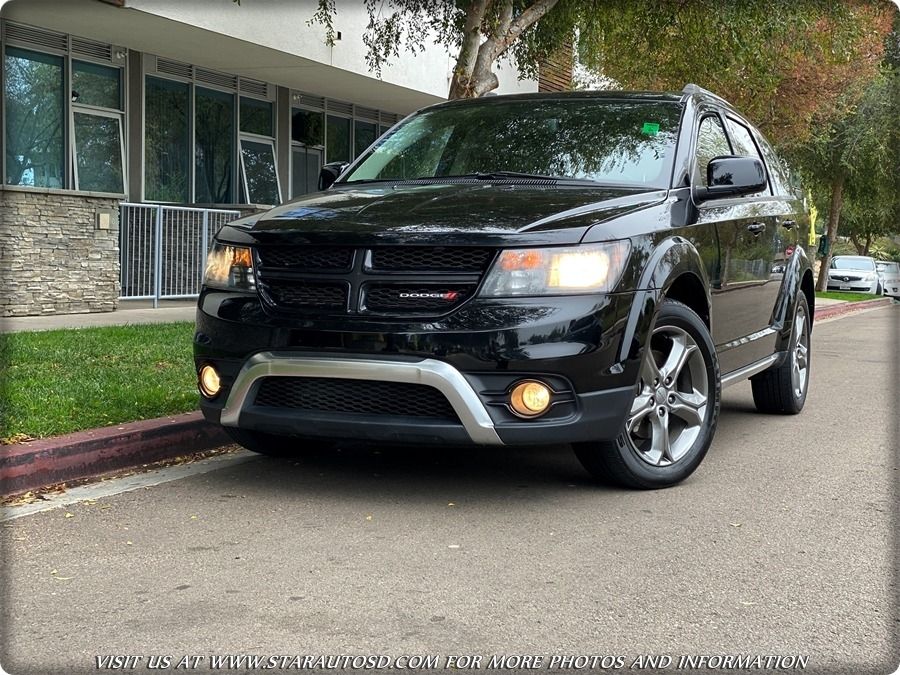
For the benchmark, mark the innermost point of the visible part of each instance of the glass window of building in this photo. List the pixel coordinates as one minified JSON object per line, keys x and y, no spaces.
{"x":34,"y":118}
{"x":167,"y":141}
{"x":214,"y":146}
{"x":365,"y":134}
{"x":260,"y":175}
{"x":98,"y":152}
{"x":338,"y":139}
{"x":257,"y":117}
{"x":305,"y":166}
{"x":307,"y":127}
{"x":98,"y":148}
{"x":96,"y":85}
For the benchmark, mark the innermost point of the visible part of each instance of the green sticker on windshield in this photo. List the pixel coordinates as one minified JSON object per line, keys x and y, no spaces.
{"x":650,"y":128}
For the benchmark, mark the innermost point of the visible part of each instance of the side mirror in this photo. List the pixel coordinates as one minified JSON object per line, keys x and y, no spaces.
{"x":732,"y":177}
{"x":330,"y":173}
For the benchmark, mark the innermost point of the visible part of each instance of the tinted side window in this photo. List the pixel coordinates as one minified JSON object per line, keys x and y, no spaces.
{"x":743,"y":142}
{"x":711,"y":142}
{"x":778,"y":174}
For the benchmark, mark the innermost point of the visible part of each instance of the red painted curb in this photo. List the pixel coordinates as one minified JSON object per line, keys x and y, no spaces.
{"x":33,"y":464}
{"x":849,"y":307}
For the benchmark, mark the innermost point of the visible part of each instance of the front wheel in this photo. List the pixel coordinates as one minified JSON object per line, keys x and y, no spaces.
{"x":672,"y":419}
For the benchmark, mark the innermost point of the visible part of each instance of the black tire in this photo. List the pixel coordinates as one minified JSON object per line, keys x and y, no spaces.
{"x":274,"y":445}
{"x":879,"y":290}
{"x":775,"y":390}
{"x":627,"y":460}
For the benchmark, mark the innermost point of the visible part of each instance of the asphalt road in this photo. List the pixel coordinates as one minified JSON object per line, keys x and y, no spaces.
{"x":782,"y":543}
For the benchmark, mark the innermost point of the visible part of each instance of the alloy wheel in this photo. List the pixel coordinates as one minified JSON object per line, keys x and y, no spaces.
{"x":799,"y":353}
{"x":667,"y":415}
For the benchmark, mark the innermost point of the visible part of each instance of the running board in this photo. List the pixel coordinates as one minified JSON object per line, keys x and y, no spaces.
{"x":749,"y":371}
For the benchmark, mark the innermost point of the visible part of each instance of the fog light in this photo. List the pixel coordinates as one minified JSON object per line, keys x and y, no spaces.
{"x":529,"y":398}
{"x":210,"y":384}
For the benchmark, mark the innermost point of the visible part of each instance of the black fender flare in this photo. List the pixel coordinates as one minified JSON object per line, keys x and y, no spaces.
{"x":670,"y":259}
{"x":791,"y":287}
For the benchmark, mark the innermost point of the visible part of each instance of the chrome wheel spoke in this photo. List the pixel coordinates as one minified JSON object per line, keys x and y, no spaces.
{"x":801,"y":355}
{"x":682,"y":348}
{"x":636,"y":417}
{"x":642,"y":402}
{"x":689,"y":407}
{"x":660,"y":441}
{"x":649,"y":371}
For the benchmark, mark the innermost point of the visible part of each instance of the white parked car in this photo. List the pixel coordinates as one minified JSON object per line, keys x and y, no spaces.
{"x":889,"y":272}
{"x":855,"y":273}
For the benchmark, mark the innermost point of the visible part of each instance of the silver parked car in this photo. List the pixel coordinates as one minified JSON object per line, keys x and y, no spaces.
{"x":853,"y":273}
{"x":889,"y":273}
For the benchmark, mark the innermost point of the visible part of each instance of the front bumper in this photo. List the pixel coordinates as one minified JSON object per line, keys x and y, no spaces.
{"x":594,"y":416}
{"x":576,"y":344}
{"x":860,"y":286}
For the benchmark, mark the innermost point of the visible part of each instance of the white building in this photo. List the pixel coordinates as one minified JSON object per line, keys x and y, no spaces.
{"x":206,"y":103}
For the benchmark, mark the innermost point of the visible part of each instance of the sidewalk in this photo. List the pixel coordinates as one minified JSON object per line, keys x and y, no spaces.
{"x":129,"y":312}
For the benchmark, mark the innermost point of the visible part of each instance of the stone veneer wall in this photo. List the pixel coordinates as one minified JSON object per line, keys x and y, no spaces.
{"x":53,"y":258}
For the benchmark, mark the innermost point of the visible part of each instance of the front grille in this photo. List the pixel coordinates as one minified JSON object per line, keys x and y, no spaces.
{"x":360,"y":397}
{"x":384,"y":280}
{"x":433,"y":258}
{"x":306,"y":257}
{"x":415,"y":299}
{"x":304,"y":295}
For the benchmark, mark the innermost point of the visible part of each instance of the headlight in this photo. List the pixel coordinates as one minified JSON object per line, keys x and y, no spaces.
{"x":230,"y":267}
{"x":590,"y":268}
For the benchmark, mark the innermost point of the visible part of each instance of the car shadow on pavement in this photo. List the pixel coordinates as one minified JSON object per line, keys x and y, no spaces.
{"x":357,"y":471}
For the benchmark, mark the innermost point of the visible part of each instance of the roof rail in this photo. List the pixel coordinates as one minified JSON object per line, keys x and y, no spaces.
{"x":692,"y":88}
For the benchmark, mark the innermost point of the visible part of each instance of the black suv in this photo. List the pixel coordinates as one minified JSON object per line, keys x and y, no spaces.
{"x":587,"y":268}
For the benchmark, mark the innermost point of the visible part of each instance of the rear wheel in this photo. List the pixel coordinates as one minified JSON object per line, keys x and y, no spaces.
{"x":673,"y":417}
{"x":783,"y":389}
{"x":275,"y":445}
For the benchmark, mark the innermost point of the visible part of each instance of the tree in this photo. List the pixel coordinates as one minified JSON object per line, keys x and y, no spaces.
{"x":851,"y":161}
{"x":741,"y":49}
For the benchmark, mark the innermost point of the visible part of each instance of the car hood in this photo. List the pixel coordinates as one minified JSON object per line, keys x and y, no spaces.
{"x":483,"y":213}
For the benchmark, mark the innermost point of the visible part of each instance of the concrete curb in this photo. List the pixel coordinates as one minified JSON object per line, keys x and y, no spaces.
{"x":34,"y":464}
{"x":830,"y":311}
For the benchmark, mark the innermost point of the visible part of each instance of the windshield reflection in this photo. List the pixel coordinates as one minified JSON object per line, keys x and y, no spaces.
{"x":606,"y":141}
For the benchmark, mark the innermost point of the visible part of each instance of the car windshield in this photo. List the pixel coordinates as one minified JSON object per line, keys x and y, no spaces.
{"x":852,"y":263}
{"x":628,"y":143}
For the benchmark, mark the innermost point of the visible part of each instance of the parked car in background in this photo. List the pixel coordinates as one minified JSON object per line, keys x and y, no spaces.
{"x":889,"y":273}
{"x":588,"y":268}
{"x":855,"y":273}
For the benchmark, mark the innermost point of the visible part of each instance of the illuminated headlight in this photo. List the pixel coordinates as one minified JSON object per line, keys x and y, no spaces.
{"x":230,"y":267}
{"x":590,"y":268}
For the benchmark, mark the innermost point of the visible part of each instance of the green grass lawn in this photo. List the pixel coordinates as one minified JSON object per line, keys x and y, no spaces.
{"x":56,"y":382}
{"x":849,"y":297}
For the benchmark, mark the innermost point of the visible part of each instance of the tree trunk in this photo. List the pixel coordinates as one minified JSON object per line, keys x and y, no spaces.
{"x":834,"y":217}
{"x":858,"y":245}
{"x":474,"y":75}
{"x":868,"y":244}
{"x":461,"y":84}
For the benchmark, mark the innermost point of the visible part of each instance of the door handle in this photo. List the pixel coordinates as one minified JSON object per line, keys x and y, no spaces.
{"x":756,"y":228}
{"x":788,"y":224}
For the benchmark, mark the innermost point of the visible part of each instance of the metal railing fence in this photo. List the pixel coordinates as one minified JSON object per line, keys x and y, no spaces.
{"x":162,"y":249}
